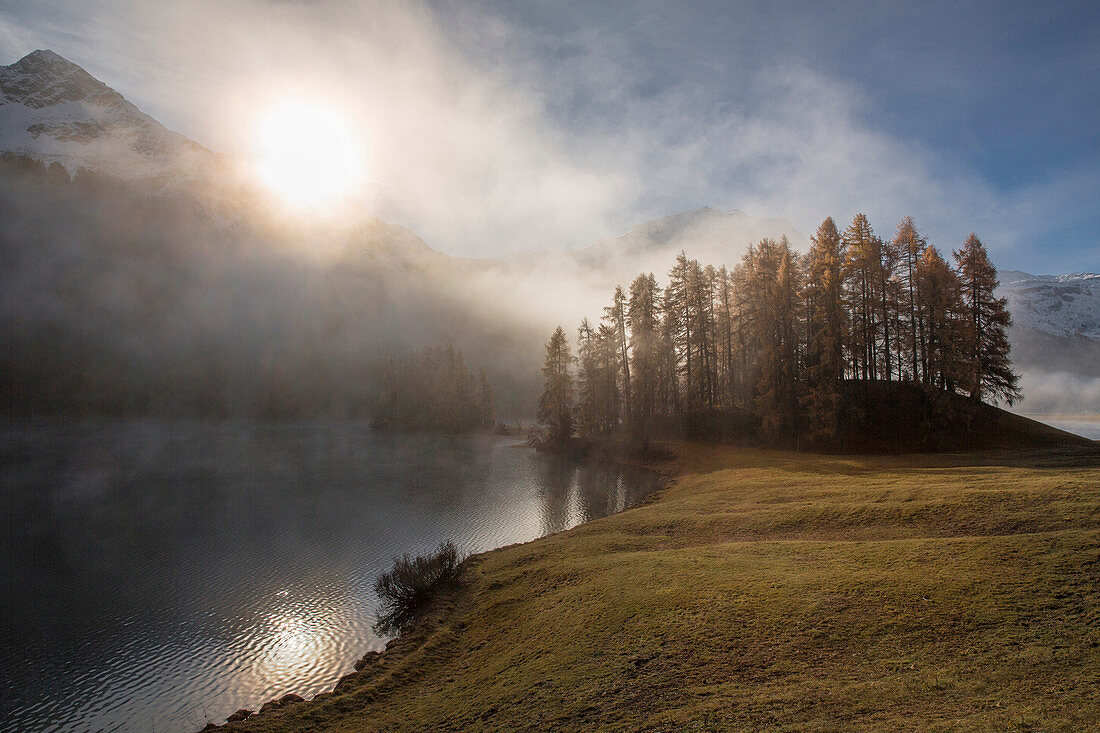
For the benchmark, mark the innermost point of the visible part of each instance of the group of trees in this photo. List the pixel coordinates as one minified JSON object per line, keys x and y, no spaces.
{"x":433,"y":390}
{"x":17,"y":164}
{"x":782,"y":334}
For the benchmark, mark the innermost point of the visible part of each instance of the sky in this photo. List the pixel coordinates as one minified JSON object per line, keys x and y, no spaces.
{"x":496,"y":127}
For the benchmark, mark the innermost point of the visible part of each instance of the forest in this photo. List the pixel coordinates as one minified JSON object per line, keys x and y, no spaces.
{"x":432,"y":389}
{"x":186,"y":303}
{"x":791,"y":346}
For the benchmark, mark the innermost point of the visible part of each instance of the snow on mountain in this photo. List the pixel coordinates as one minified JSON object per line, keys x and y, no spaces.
{"x":1065,"y":306}
{"x":54,"y":111}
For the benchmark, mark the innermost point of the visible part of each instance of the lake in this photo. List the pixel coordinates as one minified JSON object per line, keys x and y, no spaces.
{"x":158,"y":575}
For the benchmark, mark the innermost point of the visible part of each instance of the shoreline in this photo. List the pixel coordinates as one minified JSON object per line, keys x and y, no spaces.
{"x":426,"y":677}
{"x":372,"y":661}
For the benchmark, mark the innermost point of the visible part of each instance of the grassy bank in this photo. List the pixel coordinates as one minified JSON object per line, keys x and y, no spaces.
{"x":772,"y":591}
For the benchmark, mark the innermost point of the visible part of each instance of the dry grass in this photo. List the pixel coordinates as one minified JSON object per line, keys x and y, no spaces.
{"x":773,"y":591}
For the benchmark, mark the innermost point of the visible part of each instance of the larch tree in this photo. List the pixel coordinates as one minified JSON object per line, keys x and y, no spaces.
{"x":987,"y":319}
{"x":587,"y":411}
{"x":941,"y":309}
{"x":861,"y":264}
{"x":678,"y":323}
{"x":910,"y":245}
{"x":887,"y":303}
{"x":555,"y":406}
{"x":643,"y":319}
{"x":777,"y":398}
{"x":700,"y":312}
{"x":724,"y":320}
{"x":615,"y":317}
{"x":826,"y":320}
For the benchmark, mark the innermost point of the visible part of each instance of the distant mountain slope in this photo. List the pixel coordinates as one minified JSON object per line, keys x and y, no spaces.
{"x":208,"y":297}
{"x":1055,"y":305}
{"x":1055,"y":339}
{"x":54,"y":111}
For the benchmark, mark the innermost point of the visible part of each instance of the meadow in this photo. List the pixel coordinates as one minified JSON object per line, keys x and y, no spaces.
{"x":767,"y":590}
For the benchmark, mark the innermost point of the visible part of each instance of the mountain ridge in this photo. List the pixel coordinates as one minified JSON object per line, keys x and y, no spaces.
{"x":54,"y":111}
{"x":1065,"y":306}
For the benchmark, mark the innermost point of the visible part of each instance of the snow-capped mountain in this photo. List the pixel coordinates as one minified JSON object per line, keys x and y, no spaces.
{"x":54,"y":111}
{"x":1064,"y":306}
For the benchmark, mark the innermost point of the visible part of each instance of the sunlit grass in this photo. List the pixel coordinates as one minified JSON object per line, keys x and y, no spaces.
{"x":772,"y":591}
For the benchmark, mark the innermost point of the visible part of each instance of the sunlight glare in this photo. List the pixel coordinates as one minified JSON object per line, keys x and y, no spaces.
{"x":307,"y":153}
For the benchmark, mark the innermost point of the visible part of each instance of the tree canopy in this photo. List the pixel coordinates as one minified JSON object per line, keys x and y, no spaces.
{"x":783,"y":336}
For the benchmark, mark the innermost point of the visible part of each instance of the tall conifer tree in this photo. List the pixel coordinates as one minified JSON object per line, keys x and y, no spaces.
{"x":941,"y":309}
{"x":555,"y":407}
{"x":643,"y":318}
{"x":987,"y":319}
{"x":825,"y":329}
{"x":861,"y":265}
{"x":910,"y":245}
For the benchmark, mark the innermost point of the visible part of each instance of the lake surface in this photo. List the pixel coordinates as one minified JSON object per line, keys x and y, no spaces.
{"x":160,"y":575}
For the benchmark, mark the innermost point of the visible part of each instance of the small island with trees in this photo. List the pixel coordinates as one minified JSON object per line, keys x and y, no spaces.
{"x":862,"y":342}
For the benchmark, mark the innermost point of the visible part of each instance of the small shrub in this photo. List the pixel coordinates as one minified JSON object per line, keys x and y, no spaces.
{"x":411,"y":584}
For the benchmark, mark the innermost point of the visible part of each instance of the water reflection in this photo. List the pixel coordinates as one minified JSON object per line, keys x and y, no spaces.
{"x":557,"y":482}
{"x":161,"y":574}
{"x":573,"y":492}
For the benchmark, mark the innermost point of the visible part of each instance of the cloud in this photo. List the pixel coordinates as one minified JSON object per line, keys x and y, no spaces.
{"x":1059,"y":392}
{"x":489,"y":134}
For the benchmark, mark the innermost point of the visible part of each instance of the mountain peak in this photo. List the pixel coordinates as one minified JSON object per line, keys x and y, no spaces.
{"x":43,"y":78}
{"x":44,"y":56}
{"x":53,"y":110}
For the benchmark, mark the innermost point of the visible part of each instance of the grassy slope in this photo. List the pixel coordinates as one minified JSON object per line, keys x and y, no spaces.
{"x":773,"y":591}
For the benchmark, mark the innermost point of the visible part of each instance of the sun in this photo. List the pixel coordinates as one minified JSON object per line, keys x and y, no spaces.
{"x":307,"y":153}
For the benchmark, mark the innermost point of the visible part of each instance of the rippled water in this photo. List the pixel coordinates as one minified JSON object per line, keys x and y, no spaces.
{"x":159,"y":575}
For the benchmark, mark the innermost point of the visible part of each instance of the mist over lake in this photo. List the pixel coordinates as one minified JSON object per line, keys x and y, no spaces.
{"x":162,"y":574}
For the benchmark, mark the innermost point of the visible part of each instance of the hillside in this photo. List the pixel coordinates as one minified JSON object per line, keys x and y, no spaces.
{"x":121,"y":303}
{"x":54,"y":111}
{"x":151,"y":281}
{"x":892,"y":417}
{"x":1055,"y":339}
{"x":1056,"y":305}
{"x":771,"y":591}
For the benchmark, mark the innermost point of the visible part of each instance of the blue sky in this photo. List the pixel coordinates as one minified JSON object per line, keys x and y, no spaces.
{"x":1006,"y":94}
{"x":503,"y":126}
